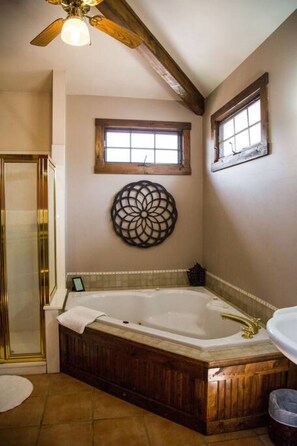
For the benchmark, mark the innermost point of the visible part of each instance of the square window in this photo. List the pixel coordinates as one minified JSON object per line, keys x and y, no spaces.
{"x":240,"y":127}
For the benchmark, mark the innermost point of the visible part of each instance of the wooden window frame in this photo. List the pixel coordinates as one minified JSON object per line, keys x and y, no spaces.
{"x":101,"y":166}
{"x":257,"y":89}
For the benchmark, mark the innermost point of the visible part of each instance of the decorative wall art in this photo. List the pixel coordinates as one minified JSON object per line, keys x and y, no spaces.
{"x":143,"y":214}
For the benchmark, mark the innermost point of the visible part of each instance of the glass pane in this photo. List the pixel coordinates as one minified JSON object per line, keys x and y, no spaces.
{"x":241,"y":121}
{"x":226,"y":130}
{"x":51,"y":229}
{"x":242,"y":140}
{"x":166,"y":157}
{"x":117,"y":155}
{"x":226,"y":147}
{"x":145,"y":140}
{"x":254,"y":112}
{"x":142,"y":155}
{"x":164,"y":141}
{"x":255,"y":134}
{"x":117,"y":139}
{"x":22,"y":257}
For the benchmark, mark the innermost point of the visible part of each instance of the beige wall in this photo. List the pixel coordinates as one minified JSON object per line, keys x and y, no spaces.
{"x":250,"y":210}
{"x":91,"y":242}
{"x":25,"y":121}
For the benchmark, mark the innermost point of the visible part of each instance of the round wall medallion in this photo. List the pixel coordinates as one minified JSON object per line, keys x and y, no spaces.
{"x":143,"y":214}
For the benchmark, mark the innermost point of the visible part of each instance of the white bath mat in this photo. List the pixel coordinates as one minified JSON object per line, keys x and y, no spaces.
{"x":13,"y":391}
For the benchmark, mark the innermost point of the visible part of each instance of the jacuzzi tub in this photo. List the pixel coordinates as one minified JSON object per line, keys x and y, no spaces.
{"x":187,"y":316}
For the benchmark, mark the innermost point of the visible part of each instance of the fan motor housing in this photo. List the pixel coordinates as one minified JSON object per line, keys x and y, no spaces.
{"x":75,"y":7}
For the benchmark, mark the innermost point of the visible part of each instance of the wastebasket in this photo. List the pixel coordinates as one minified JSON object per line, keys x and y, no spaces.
{"x":282,"y":426}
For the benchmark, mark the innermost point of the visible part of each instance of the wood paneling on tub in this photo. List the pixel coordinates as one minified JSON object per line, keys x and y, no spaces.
{"x":209,"y":398}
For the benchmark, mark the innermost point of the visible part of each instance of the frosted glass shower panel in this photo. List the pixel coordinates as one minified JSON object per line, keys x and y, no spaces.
{"x":22,"y":271}
{"x":51,"y":230}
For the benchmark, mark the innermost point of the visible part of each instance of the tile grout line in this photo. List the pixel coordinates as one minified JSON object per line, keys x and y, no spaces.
{"x":43,"y":413}
{"x":146,"y":431}
{"x":92,"y":420}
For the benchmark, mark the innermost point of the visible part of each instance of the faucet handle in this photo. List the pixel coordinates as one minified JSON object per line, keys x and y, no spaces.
{"x":247,"y":333}
{"x":256,"y":321}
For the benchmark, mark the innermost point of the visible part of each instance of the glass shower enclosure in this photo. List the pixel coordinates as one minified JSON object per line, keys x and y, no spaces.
{"x":27,"y":254}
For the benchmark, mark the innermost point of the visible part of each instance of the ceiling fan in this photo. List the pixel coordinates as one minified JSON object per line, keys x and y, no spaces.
{"x":74,"y":30}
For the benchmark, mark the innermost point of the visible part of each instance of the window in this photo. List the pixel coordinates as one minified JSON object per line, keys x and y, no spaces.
{"x":240,"y":127}
{"x":138,"y":147}
{"x":142,"y":146}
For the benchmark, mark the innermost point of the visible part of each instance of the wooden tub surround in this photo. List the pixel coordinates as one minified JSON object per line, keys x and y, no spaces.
{"x":209,"y":391}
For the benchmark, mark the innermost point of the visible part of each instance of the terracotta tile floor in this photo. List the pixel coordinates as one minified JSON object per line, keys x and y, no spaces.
{"x":63,"y":411}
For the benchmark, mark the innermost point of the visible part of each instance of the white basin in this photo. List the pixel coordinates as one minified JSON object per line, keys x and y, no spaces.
{"x":282,"y":330}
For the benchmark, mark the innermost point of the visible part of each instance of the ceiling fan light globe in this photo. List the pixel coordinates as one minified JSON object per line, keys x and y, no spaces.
{"x":75,"y":32}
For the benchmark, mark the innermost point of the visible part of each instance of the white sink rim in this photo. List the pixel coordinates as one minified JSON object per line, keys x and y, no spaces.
{"x":277,"y":332}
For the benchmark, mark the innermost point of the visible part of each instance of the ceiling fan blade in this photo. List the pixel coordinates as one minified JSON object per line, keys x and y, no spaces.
{"x":116,"y":31}
{"x":49,"y":33}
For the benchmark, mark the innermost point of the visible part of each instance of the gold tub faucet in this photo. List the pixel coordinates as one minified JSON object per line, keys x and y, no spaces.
{"x":251,"y":326}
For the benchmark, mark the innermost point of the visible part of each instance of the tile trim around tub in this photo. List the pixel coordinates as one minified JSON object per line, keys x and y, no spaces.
{"x":131,"y":279}
{"x":247,"y":302}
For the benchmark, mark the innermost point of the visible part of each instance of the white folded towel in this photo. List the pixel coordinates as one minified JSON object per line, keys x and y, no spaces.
{"x":78,"y":317}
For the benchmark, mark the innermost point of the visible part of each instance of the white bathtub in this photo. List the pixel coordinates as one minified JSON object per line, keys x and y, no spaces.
{"x":187,"y":316}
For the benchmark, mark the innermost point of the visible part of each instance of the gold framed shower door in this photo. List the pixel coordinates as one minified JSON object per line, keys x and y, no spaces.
{"x":27,"y":243}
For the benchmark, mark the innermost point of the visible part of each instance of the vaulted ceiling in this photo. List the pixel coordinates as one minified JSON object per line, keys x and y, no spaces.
{"x":189,"y":47}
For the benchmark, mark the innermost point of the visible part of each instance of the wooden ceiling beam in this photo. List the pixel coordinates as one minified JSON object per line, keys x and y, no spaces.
{"x":120,"y":12}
